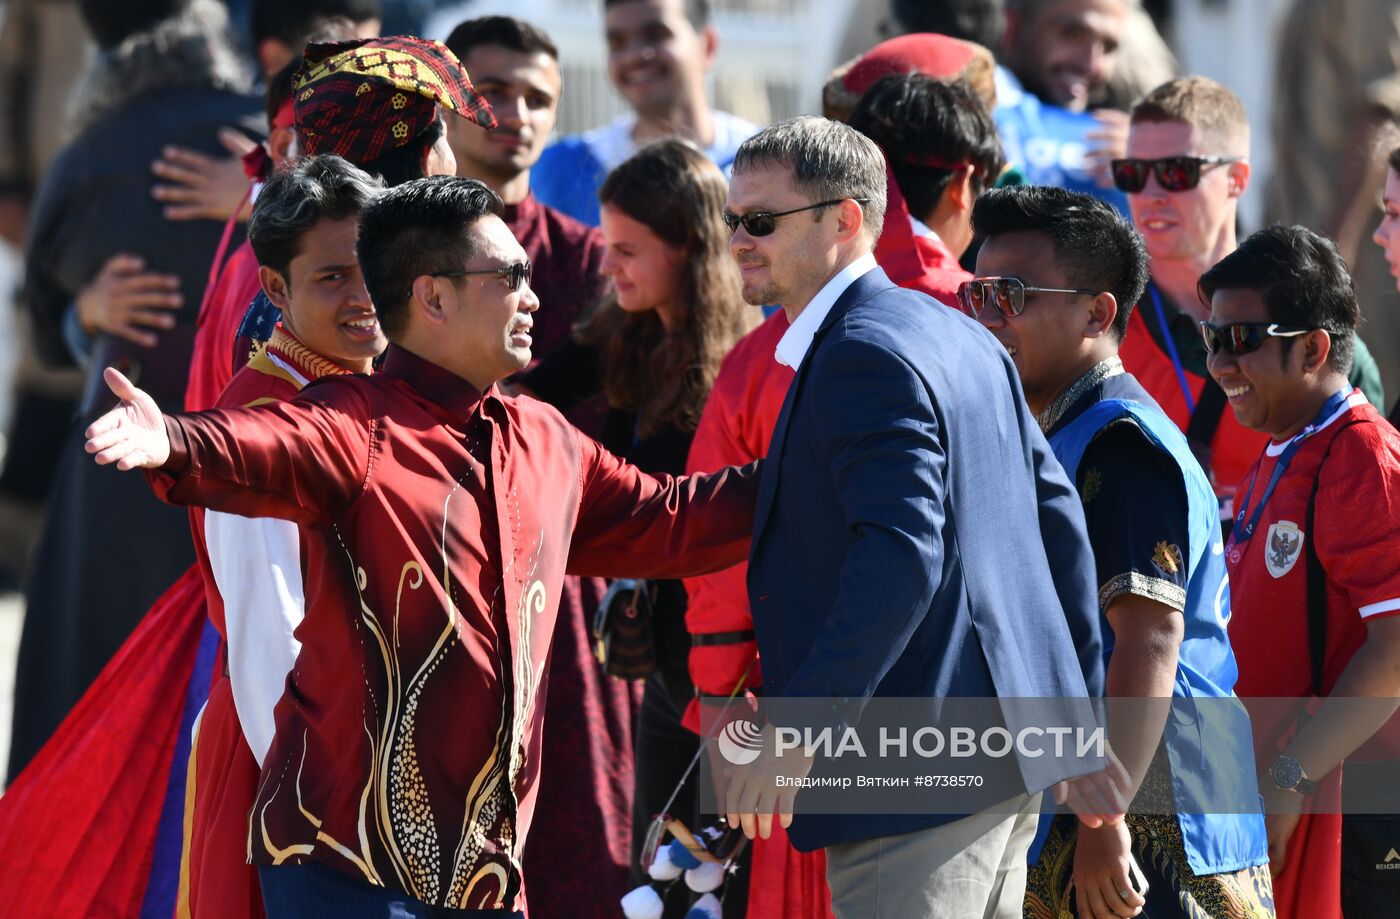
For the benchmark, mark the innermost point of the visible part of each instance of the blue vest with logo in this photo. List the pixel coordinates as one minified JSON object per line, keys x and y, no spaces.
{"x":1209,"y":744}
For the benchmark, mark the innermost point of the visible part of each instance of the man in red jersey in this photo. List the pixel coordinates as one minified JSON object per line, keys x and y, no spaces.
{"x":403,"y":769}
{"x":1186,"y":169}
{"x":1318,"y":513}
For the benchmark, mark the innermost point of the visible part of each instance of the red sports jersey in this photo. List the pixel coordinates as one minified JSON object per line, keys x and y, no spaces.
{"x":1357,"y":537}
{"x":1356,"y":532}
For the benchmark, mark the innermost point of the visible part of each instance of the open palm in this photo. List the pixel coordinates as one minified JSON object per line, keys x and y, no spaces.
{"x":131,"y":435}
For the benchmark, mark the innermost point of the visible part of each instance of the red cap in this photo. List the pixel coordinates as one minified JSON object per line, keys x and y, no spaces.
{"x":929,"y":53}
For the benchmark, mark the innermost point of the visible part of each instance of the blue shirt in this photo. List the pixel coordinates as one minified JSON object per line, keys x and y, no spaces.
{"x":572,"y":169}
{"x":1046,"y":142}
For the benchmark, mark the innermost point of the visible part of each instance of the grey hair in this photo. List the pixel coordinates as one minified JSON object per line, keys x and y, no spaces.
{"x":192,"y":49}
{"x":828,"y":160}
{"x":316,"y":188}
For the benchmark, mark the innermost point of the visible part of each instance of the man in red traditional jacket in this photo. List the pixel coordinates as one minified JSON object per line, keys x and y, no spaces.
{"x":588,"y":776}
{"x":403,"y":768}
{"x":303,"y":232}
{"x":374,"y":102}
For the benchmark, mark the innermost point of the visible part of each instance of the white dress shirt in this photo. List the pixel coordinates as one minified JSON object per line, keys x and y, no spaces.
{"x":792,"y":347}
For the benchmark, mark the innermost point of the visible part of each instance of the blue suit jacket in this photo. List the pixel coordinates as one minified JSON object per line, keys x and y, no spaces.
{"x":914,"y":536}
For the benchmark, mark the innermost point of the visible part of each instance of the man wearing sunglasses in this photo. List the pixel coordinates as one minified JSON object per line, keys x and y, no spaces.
{"x":904,"y":470}
{"x":1314,"y":584}
{"x":404,"y":764}
{"x":1058,"y":273}
{"x":1186,"y":169}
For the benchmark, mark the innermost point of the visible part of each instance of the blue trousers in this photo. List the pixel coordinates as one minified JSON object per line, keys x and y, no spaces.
{"x":312,"y":891}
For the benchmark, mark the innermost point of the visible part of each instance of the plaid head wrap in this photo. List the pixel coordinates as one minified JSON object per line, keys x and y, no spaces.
{"x":360,"y":99}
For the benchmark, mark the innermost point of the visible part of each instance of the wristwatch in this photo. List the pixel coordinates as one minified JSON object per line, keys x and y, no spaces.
{"x":1288,"y":775}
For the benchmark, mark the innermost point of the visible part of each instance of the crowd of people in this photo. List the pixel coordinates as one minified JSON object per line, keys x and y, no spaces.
{"x":481,"y":466}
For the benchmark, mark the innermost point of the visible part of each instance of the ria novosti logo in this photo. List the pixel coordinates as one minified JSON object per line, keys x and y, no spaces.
{"x":740,"y":742}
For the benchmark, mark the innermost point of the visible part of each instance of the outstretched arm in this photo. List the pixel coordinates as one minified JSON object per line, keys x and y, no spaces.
{"x":303,"y":460}
{"x":631,"y":524}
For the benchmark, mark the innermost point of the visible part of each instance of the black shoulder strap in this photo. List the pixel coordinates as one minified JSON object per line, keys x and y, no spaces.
{"x":1200,"y":430}
{"x":1317,"y":578}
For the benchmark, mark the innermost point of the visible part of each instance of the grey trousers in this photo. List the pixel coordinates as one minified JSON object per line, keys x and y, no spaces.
{"x":973,"y":868}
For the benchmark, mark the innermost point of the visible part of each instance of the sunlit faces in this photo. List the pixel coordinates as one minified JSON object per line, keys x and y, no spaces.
{"x":1067,"y":50}
{"x":1185,"y":224}
{"x":788,"y":266}
{"x":1048,"y":339}
{"x":645,"y":270}
{"x":655,"y":56}
{"x":1387,"y":234}
{"x":523,"y":89}
{"x":487,"y":323}
{"x":323,"y":298}
{"x":1261,"y":385}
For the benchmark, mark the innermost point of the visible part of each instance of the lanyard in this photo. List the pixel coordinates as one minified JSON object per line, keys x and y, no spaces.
{"x":1246,"y":530}
{"x":1171,"y":348}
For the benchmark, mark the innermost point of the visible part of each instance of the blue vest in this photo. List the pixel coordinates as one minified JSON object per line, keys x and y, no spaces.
{"x":1211,"y":755}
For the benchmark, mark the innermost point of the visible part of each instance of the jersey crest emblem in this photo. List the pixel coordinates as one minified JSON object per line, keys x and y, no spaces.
{"x":1282,"y":548}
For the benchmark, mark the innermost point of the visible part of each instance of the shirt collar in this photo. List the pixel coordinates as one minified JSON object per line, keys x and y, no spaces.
{"x":792,"y":347}
{"x":1354,"y":397}
{"x":457,"y":398}
{"x":305,"y":363}
{"x":1056,"y":410}
{"x":521,"y":214}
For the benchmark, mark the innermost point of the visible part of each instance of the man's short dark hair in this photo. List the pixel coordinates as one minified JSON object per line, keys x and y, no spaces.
{"x":828,"y":159}
{"x":697,"y":11}
{"x":506,"y":31}
{"x":928,"y":128}
{"x":297,"y":198}
{"x":415,"y":229}
{"x":291,"y":21}
{"x":1095,"y":246}
{"x":982,"y":21}
{"x":1302,"y":279}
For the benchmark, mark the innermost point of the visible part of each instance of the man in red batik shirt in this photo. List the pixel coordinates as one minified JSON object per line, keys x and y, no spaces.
{"x":1317,"y":514}
{"x":407,"y":746}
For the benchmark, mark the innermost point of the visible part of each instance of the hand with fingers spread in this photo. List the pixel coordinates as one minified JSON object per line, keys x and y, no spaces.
{"x":127,"y":301}
{"x":753,"y":794}
{"x":132,"y":435}
{"x":1100,"y":797}
{"x":1101,"y":886}
{"x":197,"y":186}
{"x":1107,"y":143}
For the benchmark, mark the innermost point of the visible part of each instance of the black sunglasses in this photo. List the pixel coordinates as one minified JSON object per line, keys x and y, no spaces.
{"x":515,"y":274}
{"x":1007,"y":294}
{"x":762,"y":223}
{"x":1243,"y":337}
{"x":1174,"y":173}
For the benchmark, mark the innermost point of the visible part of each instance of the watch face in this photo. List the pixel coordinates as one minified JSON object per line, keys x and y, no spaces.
{"x":1286,"y":772}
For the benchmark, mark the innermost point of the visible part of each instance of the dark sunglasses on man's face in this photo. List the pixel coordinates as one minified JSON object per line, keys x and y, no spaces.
{"x":1008,"y":295}
{"x":1174,"y":173}
{"x":763,"y":223}
{"x":515,"y":274}
{"x":1239,"y":338}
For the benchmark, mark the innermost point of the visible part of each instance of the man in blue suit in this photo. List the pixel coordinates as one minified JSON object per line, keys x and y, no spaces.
{"x":914,"y":537}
